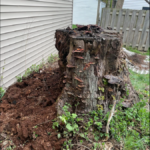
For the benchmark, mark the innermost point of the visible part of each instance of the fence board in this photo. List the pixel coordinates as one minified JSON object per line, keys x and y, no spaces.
{"x":138,"y":25}
{"x":143,"y":35}
{"x":126,"y":23}
{"x":107,"y":18}
{"x":131,"y":23}
{"x":113,"y":19}
{"x":119,"y":20}
{"x":103,"y":18}
{"x":130,"y":35}
{"x":147,"y":42}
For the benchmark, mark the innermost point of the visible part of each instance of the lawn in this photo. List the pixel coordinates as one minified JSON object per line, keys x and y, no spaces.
{"x":137,"y":51}
{"x":140,"y":82}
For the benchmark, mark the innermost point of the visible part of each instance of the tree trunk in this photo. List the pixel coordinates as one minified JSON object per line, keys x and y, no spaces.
{"x":147,"y":2}
{"x":94,"y":69}
{"x":114,"y":3}
{"x":98,"y":11}
{"x":119,"y":4}
{"x":108,"y":4}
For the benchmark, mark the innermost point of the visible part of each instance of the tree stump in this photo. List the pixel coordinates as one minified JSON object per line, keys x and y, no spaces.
{"x":94,"y":69}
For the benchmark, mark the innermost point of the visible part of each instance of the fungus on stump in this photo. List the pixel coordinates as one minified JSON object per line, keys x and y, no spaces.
{"x":94,"y":69}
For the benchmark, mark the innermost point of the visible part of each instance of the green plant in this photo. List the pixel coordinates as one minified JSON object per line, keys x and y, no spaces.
{"x":2,"y":92}
{"x":74,"y":26}
{"x":10,"y":148}
{"x":35,"y":135}
{"x":131,"y":126}
{"x":133,"y":141}
{"x":101,"y":89}
{"x":97,"y":146}
{"x":33,"y":68}
{"x":101,"y":98}
{"x":19,"y":78}
{"x":71,"y":127}
{"x":105,"y":81}
{"x":52,"y":58}
{"x":35,"y":127}
{"x":70,"y":121}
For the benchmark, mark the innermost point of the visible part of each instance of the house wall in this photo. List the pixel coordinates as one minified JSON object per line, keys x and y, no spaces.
{"x":135,"y":4}
{"x":27,"y":33}
{"x":85,"y":11}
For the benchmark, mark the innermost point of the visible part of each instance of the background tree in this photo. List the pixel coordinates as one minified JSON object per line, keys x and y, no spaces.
{"x":147,"y":2}
{"x":119,"y":4}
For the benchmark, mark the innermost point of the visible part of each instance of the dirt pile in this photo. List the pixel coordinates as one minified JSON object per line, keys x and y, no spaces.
{"x":28,"y":109}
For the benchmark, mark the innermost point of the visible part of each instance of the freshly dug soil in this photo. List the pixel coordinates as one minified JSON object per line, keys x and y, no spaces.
{"x":28,"y":109}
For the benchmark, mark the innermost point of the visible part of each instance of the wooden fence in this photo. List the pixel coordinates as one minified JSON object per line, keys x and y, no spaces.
{"x":134,"y":24}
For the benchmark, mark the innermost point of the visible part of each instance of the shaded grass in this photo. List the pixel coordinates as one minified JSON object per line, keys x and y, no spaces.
{"x":137,"y":51}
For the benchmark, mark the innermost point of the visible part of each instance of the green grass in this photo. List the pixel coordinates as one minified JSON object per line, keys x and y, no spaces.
{"x":74,"y":26}
{"x":140,"y":82}
{"x":137,"y":51}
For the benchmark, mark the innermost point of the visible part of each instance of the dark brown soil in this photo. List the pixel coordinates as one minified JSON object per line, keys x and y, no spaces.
{"x":32,"y":103}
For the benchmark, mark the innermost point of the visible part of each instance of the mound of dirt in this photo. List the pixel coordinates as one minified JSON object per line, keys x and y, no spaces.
{"x":28,"y":109}
{"x":136,"y":62}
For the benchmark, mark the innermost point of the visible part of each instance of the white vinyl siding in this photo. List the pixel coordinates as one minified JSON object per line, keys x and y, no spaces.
{"x":27,"y":33}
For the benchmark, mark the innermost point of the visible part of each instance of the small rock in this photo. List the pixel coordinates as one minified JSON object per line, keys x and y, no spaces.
{"x":5,"y":143}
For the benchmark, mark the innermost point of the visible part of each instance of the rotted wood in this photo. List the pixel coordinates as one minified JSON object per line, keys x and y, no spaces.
{"x":92,"y":59}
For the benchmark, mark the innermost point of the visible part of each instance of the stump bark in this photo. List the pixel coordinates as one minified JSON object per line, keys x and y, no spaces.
{"x":95,"y":70}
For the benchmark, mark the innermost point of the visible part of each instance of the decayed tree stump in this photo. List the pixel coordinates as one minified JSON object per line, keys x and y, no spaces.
{"x":94,"y":69}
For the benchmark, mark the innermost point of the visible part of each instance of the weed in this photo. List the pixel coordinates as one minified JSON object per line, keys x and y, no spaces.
{"x":33,"y":68}
{"x":74,"y":26}
{"x":49,"y":133}
{"x":35,"y":127}
{"x":101,"y":89}
{"x":2,"y":92}
{"x":35,"y":135}
{"x":131,"y":126}
{"x":11,"y":148}
{"x":36,"y":68}
{"x":52,"y":58}
{"x":101,"y":98}
{"x":128,"y":126}
{"x":70,"y":122}
{"x":19,"y":78}
{"x":105,"y":81}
